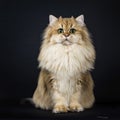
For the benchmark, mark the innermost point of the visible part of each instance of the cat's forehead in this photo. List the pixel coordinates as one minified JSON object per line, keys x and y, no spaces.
{"x":66,"y":22}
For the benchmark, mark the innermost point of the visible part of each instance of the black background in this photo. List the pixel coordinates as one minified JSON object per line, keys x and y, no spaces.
{"x":22,"y":23}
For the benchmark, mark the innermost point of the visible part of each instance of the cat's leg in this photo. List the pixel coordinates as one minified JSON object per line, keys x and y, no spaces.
{"x":84,"y":96}
{"x":87,"y":96}
{"x":41,"y":96}
{"x":60,"y":104}
{"x":75,"y":102}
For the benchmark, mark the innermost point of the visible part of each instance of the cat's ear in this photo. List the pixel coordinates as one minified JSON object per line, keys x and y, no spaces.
{"x":52,"y":19}
{"x":80,"y":20}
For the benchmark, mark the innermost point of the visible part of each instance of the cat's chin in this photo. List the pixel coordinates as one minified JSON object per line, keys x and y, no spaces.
{"x":66,"y":43}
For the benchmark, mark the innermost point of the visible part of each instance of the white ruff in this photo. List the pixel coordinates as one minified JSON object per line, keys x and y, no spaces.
{"x":68,"y":59}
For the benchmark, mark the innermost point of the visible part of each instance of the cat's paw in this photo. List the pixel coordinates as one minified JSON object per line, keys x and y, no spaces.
{"x":60,"y":108}
{"x":76,"y":107}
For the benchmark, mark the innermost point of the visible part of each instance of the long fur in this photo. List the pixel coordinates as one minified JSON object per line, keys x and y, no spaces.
{"x":65,"y":83}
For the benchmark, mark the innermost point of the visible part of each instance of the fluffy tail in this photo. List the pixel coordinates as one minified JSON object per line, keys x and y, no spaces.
{"x":27,"y":101}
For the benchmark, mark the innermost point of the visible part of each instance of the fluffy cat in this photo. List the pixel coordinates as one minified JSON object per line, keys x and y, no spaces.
{"x":66,"y":57}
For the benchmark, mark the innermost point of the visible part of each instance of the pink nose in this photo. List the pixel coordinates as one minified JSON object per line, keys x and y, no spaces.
{"x":66,"y":34}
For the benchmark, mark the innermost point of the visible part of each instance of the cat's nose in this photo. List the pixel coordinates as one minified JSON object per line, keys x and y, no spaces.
{"x":66,"y":34}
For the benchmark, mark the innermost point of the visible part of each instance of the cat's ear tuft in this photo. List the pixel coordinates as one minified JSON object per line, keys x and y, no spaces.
{"x":80,"y":20}
{"x":52,"y":19}
{"x":60,"y":18}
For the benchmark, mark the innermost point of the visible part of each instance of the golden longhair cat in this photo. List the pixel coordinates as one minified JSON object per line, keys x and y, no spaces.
{"x":66,"y":57}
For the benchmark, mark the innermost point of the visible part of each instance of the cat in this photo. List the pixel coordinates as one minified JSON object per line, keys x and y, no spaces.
{"x":67,"y":56}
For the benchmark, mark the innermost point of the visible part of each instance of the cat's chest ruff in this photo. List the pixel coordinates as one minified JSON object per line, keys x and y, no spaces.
{"x":60,"y":58}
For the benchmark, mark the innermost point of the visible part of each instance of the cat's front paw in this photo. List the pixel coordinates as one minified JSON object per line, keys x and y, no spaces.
{"x":76,"y":107}
{"x":60,"y":108}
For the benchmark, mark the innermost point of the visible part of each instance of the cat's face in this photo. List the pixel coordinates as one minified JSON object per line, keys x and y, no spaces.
{"x":66,"y":31}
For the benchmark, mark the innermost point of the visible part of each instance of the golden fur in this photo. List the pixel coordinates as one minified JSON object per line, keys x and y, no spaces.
{"x":66,"y":57}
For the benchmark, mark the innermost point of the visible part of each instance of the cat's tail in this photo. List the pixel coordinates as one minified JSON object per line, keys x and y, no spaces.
{"x":27,"y":101}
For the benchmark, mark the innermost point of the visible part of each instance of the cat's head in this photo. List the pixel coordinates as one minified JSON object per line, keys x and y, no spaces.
{"x":66,"y":31}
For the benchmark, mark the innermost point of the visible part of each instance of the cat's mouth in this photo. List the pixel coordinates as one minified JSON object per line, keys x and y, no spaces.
{"x":66,"y":42}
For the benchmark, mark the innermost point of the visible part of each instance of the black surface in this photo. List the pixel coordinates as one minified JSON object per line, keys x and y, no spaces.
{"x":14,"y":109}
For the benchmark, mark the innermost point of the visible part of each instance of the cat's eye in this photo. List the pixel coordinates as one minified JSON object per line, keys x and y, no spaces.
{"x":72,"y":30}
{"x":60,"y":30}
